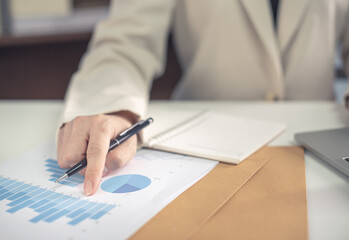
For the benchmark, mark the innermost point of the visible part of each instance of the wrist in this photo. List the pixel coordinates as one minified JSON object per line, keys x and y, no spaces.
{"x":127,"y":115}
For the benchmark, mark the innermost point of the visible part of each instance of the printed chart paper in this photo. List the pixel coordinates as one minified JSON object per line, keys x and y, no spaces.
{"x":31,"y":204}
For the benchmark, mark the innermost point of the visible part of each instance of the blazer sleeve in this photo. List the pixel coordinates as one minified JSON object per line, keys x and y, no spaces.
{"x":124,"y":55}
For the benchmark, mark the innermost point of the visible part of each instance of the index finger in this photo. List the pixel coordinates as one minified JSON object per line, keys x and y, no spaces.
{"x":97,"y":150}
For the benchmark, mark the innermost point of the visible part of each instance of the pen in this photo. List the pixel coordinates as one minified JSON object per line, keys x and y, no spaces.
{"x":122,"y":137}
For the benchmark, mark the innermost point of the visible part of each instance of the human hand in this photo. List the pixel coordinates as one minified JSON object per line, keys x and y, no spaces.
{"x":89,"y":136}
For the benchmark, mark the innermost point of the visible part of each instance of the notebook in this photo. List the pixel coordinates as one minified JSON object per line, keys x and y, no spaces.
{"x":217,"y":136}
{"x":330,"y":145}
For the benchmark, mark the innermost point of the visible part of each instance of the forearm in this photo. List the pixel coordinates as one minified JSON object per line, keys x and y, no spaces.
{"x":125,"y":54}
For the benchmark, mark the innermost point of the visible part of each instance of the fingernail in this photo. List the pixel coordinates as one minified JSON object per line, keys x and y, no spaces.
{"x":88,"y":187}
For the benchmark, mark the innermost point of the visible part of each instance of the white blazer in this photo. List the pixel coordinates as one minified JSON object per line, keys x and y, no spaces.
{"x":228,"y":49}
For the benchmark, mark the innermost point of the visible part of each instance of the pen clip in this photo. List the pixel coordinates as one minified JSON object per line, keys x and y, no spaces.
{"x":130,"y":128}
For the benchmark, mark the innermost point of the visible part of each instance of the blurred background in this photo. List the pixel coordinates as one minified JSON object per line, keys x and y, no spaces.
{"x":42,"y":41}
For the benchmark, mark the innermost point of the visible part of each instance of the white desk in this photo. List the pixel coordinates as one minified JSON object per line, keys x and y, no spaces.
{"x":26,"y":124}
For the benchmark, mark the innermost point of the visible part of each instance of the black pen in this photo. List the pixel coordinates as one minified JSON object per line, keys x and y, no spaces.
{"x":113,"y":144}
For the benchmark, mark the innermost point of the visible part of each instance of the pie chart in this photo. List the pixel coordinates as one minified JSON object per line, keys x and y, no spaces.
{"x":125,"y":183}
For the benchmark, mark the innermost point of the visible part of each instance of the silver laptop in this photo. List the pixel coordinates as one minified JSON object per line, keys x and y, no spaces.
{"x":330,"y":145}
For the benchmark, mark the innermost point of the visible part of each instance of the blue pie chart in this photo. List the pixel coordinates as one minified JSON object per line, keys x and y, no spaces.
{"x":125,"y":183}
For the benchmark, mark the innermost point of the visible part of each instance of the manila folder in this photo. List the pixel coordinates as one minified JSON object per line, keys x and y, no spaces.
{"x":262,"y":198}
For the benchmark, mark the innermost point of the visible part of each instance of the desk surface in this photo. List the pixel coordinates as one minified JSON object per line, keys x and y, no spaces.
{"x":31,"y":123}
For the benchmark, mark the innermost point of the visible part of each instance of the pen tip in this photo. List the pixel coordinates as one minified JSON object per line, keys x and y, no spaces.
{"x":64,"y":176}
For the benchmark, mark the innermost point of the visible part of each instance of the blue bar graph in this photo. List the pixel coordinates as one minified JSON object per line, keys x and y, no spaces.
{"x":55,"y":172}
{"x":24,"y":201}
{"x":101,"y":213}
{"x":24,"y":198}
{"x":14,"y":189}
{"x":49,"y":206}
{"x":44,"y":201}
{"x":81,"y":210}
{"x":52,"y":204}
{"x":61,"y":213}
{"x":87,"y":214}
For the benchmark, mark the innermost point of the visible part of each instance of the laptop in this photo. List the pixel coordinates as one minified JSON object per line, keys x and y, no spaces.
{"x":330,"y":145}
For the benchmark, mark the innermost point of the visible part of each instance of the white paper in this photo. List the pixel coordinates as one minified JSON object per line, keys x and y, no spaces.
{"x":150,"y":181}
{"x":218,"y":136}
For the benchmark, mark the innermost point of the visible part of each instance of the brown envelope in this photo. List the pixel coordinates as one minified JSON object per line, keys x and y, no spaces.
{"x":239,"y":202}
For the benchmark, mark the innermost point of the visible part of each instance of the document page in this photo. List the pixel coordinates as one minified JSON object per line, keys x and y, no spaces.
{"x":32,"y":204}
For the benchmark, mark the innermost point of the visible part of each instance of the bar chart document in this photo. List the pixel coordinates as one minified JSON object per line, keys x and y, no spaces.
{"x":32,"y":204}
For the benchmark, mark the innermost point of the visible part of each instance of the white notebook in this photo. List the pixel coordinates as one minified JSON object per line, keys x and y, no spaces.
{"x":217,"y":136}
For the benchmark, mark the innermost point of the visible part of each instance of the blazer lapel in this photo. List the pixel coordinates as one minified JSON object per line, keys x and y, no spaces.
{"x":291,"y":14}
{"x":259,"y":13}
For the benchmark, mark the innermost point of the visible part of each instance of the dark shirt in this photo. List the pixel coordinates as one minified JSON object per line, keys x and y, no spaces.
{"x":274,"y":6}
